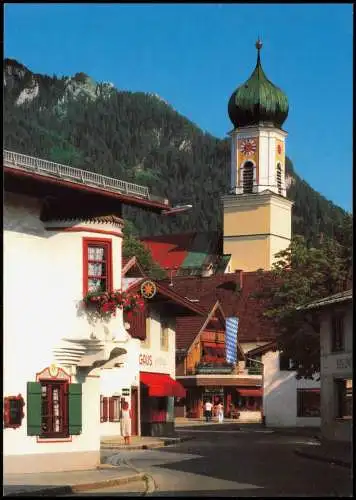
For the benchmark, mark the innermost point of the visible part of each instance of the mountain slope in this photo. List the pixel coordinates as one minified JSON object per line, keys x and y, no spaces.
{"x":140,"y":138}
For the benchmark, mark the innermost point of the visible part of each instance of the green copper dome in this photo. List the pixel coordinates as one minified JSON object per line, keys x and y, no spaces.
{"x":258,"y":101}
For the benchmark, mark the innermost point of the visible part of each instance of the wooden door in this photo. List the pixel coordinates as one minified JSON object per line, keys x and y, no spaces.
{"x":134,"y":411}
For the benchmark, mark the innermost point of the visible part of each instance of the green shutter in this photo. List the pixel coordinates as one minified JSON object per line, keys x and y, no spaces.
{"x":75,"y":409}
{"x":34,"y":395}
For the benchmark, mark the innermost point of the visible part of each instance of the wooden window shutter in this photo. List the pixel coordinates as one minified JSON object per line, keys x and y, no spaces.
{"x":105,"y":409}
{"x":75,"y":408}
{"x":34,"y":417}
{"x":6,"y":412}
{"x":111,"y":409}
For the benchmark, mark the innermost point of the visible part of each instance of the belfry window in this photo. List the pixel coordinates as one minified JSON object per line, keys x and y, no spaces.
{"x":247,"y":177}
{"x":279,"y":178}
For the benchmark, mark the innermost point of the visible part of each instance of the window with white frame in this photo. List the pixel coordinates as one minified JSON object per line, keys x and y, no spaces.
{"x":147,"y":341}
{"x":164,"y":336}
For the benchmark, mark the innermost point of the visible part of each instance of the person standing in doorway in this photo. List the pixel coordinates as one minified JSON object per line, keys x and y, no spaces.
{"x":220,"y":412}
{"x":208,"y":407}
{"x":126,"y":422}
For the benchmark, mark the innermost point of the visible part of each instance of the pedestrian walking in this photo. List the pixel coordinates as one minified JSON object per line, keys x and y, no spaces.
{"x":126,"y":422}
{"x":208,"y":407}
{"x":220,"y":412}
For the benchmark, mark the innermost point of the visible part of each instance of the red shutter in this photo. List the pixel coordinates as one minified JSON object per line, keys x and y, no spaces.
{"x":105,"y":409}
{"x":111,"y":409}
{"x":137,"y":324}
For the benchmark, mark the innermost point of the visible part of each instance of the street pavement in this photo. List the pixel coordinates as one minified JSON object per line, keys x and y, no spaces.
{"x":226,"y":461}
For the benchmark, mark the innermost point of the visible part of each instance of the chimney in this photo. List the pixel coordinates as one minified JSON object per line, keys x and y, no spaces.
{"x":240,"y":273}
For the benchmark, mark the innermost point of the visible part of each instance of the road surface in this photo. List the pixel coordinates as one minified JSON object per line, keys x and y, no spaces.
{"x":225,"y":461}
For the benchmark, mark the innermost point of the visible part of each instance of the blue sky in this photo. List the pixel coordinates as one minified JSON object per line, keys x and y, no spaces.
{"x":195,"y":55}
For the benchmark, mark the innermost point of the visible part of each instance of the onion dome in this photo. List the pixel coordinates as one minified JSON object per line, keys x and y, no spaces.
{"x":258,"y":101}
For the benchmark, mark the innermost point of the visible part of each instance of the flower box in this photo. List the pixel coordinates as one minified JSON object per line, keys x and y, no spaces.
{"x":106,"y":303}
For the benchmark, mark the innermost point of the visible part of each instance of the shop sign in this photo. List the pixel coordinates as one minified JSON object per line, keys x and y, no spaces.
{"x":125,"y":392}
{"x":343,"y":363}
{"x":145,"y":359}
{"x":214,"y":390}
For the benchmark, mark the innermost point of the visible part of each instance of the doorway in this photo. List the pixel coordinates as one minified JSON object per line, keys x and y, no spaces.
{"x":134,"y":409}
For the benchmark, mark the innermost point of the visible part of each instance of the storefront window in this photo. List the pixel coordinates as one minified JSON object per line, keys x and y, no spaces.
{"x":308,"y":403}
{"x":344,"y":398}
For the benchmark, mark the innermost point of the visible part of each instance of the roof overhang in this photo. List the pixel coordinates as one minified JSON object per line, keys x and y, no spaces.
{"x":35,"y":184}
{"x":328,"y":301}
{"x":168,"y":297}
{"x":262,"y":349}
{"x":218,"y":380}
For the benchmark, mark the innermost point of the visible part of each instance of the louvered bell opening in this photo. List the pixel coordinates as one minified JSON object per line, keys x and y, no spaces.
{"x":247,"y":178}
{"x":279,"y":179}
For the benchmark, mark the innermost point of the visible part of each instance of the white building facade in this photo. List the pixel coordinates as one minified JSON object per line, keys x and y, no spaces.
{"x":336,"y":339}
{"x":287,"y":401}
{"x":55,"y":251}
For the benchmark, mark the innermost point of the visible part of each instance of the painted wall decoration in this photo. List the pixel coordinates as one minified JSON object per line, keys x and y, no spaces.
{"x":247,"y":150}
{"x":148,"y":289}
{"x":280,"y":152}
{"x":231,"y":339}
{"x":248,"y":147}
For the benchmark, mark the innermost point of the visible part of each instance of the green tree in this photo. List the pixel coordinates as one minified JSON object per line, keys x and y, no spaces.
{"x":300,"y":275}
{"x":133,"y":247}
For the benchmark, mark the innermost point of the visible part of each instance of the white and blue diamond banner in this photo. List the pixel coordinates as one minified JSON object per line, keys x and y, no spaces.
{"x":231,"y":339}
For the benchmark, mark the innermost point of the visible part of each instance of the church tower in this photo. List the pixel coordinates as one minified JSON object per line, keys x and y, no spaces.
{"x":257,"y":214}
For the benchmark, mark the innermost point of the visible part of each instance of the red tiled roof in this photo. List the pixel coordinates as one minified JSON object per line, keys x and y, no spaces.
{"x":187,"y":328}
{"x":252,"y":326}
{"x":169,"y":250}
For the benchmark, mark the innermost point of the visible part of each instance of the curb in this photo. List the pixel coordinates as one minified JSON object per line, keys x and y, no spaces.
{"x":330,"y":460}
{"x":165,"y":442}
{"x":67,"y":490}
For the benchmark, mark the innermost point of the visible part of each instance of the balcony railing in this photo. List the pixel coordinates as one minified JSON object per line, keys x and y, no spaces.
{"x":218,"y":368}
{"x":254,"y":370}
{"x":49,"y":168}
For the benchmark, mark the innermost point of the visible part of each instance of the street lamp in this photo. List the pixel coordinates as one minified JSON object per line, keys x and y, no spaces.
{"x":177,"y":209}
{"x":263,"y":387}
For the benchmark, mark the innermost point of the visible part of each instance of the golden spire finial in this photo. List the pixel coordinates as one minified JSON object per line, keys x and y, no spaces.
{"x":259,"y":44}
{"x":258,"y":47}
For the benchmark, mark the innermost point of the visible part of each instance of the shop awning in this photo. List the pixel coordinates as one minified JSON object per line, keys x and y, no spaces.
{"x":257,"y":393}
{"x":161,"y":384}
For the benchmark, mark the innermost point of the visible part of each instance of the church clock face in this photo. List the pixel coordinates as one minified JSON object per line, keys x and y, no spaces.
{"x":248,"y":147}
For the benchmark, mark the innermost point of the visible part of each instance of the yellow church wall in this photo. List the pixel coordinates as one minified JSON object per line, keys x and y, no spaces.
{"x":254,"y":220}
{"x":281,"y":220}
{"x":276,"y":245}
{"x":249,"y":253}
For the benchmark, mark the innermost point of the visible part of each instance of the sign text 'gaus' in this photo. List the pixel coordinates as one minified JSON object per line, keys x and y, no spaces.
{"x":145,"y":359}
